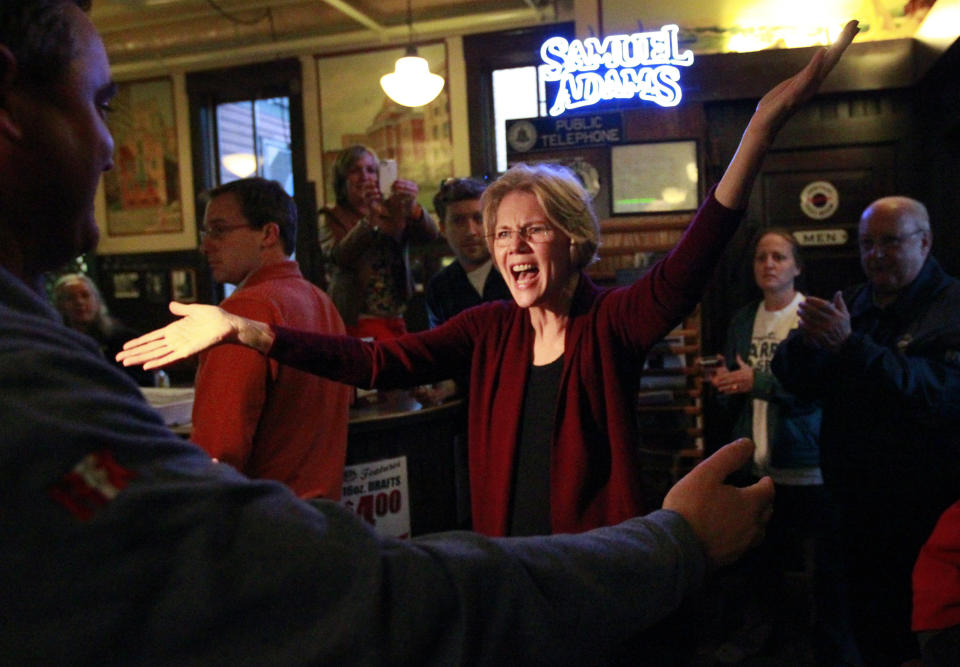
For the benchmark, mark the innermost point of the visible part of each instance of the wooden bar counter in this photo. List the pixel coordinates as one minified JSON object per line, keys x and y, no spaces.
{"x":386,"y":427}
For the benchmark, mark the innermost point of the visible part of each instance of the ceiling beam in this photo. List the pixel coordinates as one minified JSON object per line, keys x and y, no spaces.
{"x":356,"y":15}
{"x":109,"y":20}
{"x":153,"y":64}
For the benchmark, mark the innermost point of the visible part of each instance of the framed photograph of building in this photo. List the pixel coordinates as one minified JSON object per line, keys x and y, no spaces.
{"x":142,"y":207}
{"x":355,"y":110}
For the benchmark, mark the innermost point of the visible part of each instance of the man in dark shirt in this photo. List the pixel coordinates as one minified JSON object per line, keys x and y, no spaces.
{"x":884,"y":358}
{"x":472,"y":278}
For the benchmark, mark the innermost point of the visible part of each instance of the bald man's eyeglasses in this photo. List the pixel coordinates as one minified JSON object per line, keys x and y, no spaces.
{"x":886,"y":243}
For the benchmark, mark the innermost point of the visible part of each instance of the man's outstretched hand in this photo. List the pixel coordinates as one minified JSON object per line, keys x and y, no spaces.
{"x":728,"y":520}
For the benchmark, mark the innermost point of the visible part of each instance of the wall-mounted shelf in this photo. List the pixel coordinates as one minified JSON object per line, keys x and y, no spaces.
{"x":670,"y":409}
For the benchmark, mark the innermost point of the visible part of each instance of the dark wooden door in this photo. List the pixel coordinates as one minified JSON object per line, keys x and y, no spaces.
{"x":858,"y":175}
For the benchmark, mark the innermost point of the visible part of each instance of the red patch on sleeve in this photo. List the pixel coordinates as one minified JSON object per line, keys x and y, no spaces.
{"x":91,"y":484}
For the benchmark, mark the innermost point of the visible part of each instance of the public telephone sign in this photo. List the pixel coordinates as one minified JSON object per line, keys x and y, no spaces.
{"x":643,"y":65}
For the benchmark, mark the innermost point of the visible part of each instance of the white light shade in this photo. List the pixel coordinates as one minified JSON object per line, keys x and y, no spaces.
{"x":240,"y":164}
{"x":411,"y":83}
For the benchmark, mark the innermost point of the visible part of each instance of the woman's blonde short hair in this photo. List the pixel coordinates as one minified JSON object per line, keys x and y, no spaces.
{"x":562,"y":198}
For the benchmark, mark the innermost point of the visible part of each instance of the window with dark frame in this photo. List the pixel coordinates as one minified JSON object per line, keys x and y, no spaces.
{"x":502,"y":51}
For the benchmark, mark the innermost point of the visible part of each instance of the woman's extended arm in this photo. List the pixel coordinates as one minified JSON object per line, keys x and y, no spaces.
{"x":200,"y":327}
{"x":427,"y":356}
{"x":773,"y":110}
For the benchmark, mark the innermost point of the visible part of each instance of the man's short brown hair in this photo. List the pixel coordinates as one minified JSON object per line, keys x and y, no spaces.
{"x":40,"y":37}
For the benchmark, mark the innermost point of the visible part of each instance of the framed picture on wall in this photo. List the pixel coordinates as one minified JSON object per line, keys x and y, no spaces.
{"x":126,"y":285}
{"x":142,"y":206}
{"x":654,"y":177}
{"x":183,"y":283}
{"x":156,"y":287}
{"x":355,"y":110}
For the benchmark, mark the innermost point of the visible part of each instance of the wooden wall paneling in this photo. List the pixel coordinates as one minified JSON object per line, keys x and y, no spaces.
{"x":936,"y":162}
{"x":669,"y":410}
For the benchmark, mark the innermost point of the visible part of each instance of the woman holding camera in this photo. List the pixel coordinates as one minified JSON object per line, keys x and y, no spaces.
{"x":365,"y":239}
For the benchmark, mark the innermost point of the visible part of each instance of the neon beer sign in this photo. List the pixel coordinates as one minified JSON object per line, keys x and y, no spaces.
{"x":643,"y":65}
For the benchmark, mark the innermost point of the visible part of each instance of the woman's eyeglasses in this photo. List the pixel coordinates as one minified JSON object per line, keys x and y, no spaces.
{"x":530,"y":234}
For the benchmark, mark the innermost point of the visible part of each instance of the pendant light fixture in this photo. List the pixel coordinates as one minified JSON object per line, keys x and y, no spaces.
{"x":411,"y":83}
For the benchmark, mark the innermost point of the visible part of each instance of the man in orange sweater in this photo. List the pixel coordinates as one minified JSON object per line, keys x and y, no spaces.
{"x":267,"y":420}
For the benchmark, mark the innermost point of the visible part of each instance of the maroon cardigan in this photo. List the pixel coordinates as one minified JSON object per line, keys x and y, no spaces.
{"x":594,"y":469}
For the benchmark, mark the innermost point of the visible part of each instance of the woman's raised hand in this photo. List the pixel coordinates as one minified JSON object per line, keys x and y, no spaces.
{"x":780,"y":102}
{"x":200,"y":327}
{"x":399,"y":207}
{"x":773,"y":110}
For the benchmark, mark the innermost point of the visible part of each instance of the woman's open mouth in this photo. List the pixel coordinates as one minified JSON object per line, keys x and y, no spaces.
{"x":524,"y":274}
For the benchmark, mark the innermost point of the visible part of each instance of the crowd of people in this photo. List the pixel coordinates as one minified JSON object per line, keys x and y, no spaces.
{"x":210,"y":553}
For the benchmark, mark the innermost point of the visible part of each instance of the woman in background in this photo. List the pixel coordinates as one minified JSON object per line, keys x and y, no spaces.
{"x":365,"y":240}
{"x":78,"y":301}
{"x":785,"y":431}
